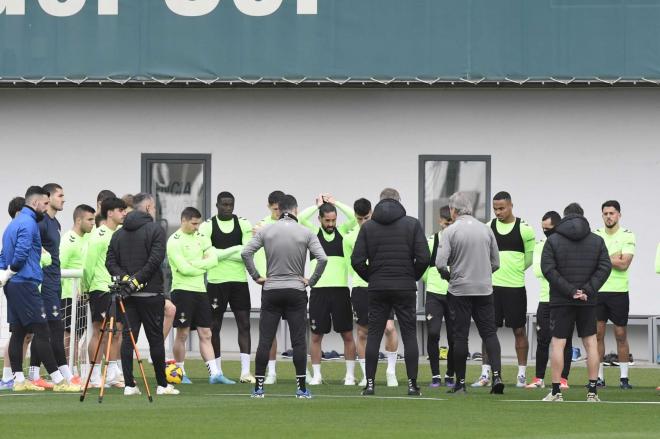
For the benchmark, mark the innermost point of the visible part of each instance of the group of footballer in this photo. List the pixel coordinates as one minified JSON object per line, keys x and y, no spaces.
{"x":208,"y":274}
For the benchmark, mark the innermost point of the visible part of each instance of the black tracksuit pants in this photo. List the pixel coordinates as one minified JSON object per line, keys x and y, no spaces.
{"x":275,"y":304}
{"x":482,"y":311}
{"x":381,"y":304}
{"x":147,"y":312}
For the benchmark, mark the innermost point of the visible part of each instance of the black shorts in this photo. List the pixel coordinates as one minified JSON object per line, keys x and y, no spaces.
{"x":192,"y":310}
{"x":564,"y":318}
{"x":437,"y":307}
{"x":330,"y":306}
{"x":510,"y":307}
{"x":98,"y":304}
{"x":360,"y":303}
{"x":25,"y":305}
{"x":236,"y":294}
{"x":52,"y":305}
{"x":614,"y":307}
{"x":81,"y":314}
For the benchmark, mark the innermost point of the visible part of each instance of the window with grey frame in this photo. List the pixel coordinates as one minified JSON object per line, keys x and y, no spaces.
{"x":442,"y":175}
{"x":177,"y":181}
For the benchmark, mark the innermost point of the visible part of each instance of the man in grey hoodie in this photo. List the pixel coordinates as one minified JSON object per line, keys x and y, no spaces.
{"x":284,"y":287}
{"x":467,"y":257}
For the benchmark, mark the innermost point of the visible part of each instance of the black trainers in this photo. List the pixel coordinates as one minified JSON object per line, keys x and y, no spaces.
{"x":498,"y":386}
{"x":625,"y":385}
{"x":458,"y":389}
{"x":369,"y":389}
{"x":413,"y":390}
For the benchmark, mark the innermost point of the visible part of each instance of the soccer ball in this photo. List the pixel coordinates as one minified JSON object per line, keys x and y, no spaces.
{"x":173,"y":374}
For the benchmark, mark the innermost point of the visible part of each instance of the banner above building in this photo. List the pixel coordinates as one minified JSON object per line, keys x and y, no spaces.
{"x":330,"y":40}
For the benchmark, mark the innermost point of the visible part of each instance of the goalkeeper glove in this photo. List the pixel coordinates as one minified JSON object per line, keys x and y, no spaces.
{"x":5,"y":275}
{"x":131,"y":285}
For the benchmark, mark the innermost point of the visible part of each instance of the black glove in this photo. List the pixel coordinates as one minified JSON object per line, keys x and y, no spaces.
{"x":130,"y":285}
{"x":444,"y":273}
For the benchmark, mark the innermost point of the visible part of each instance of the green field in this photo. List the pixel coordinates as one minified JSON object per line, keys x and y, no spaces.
{"x":203,"y":410}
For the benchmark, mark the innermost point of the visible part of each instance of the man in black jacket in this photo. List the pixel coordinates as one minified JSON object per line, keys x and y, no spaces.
{"x":391,"y":254}
{"x":135,"y":254}
{"x":576,"y":264}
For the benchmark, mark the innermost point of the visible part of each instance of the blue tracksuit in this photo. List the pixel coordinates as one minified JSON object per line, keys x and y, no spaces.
{"x":21,"y":248}
{"x":21,"y":251}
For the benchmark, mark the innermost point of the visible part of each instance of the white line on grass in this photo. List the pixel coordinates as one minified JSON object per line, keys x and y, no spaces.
{"x":581,"y":402}
{"x":269,"y":395}
{"x":37,"y":394}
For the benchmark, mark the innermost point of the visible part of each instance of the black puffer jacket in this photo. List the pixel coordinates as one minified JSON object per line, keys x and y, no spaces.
{"x":138,"y":249}
{"x":391,"y":252}
{"x":575,"y":259}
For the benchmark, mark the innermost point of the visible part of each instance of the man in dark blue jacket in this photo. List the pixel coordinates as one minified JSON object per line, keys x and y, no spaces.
{"x":20,"y":276}
{"x":391,"y":254}
{"x":576,"y":264}
{"x":51,"y":287}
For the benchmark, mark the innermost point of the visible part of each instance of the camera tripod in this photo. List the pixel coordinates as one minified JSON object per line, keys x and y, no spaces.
{"x":109,"y":328}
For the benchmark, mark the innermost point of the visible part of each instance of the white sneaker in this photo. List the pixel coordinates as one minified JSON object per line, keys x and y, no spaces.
{"x":169,"y":390}
{"x":130,"y":391}
{"x":521,"y":381}
{"x":363,"y":382}
{"x":483,"y":381}
{"x":592,"y":397}
{"x":316,"y":380}
{"x":270,"y":379}
{"x":553,"y":398}
{"x":391,"y":380}
{"x":349,"y":380}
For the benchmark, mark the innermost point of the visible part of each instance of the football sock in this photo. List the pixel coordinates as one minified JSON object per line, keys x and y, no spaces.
{"x":56,"y":377}
{"x":259,"y":385}
{"x":212,"y":367}
{"x":66,"y":373}
{"x":181,"y":365}
{"x":6,"y":374}
{"x":33,"y":373}
{"x":522,"y":371}
{"x":96,"y":373}
{"x":624,"y":369}
{"x":19,"y":377}
{"x":555,"y":388}
{"x":350,"y":368}
{"x":592,"y":386}
{"x":485,"y":370}
{"x":218,"y":361}
{"x":363,"y":366}
{"x":316,"y":368}
{"x":601,"y":372}
{"x":245,"y":364}
{"x":300,"y":380}
{"x":391,"y":361}
{"x":271,"y":367}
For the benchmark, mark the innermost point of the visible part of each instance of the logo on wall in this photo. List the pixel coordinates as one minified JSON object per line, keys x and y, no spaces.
{"x":185,"y":8}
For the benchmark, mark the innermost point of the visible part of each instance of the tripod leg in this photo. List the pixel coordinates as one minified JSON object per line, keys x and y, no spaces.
{"x":96,"y":354}
{"x":135,"y":349}
{"x":110,"y":332}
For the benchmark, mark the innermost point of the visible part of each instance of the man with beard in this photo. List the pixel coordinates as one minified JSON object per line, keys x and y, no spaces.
{"x":613,"y":298}
{"x":329,"y":299}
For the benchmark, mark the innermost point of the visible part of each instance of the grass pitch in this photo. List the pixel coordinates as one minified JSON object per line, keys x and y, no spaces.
{"x":219,"y":411}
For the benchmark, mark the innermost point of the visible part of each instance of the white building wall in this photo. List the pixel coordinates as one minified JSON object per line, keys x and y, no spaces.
{"x":548,"y":147}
